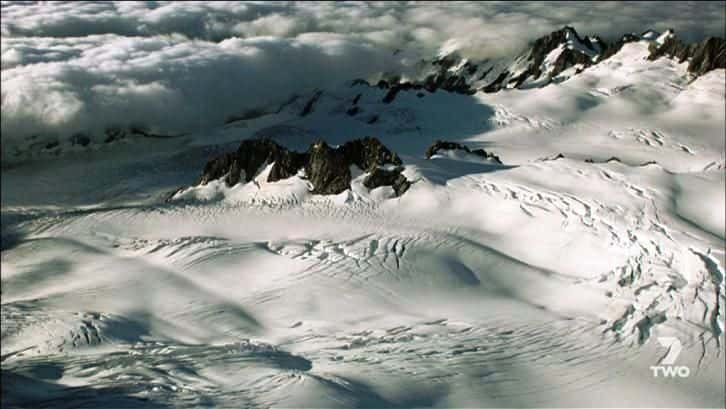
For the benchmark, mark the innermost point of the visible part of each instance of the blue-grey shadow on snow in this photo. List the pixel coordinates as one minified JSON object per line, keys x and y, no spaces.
{"x":440,"y":170}
{"x":28,"y":391}
{"x":407,"y":125}
{"x":359,"y":394}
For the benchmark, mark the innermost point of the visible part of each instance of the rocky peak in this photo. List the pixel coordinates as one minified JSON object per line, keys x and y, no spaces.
{"x":327,"y":168}
{"x":440,"y":145}
{"x":368,"y":153}
{"x":547,"y":57}
{"x":702,"y":57}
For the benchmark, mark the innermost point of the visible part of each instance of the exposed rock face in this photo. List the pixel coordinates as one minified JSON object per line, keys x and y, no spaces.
{"x":441,"y":79}
{"x":545,"y":61}
{"x":114,"y":134}
{"x":612,"y":49}
{"x":286,"y":164}
{"x":497,"y":84}
{"x":310,"y":105}
{"x":569,"y":57}
{"x":445,"y":145}
{"x":369,"y":153}
{"x":252,"y":154}
{"x":702,"y":57}
{"x":382,"y":177}
{"x":216,"y":168}
{"x":327,"y":168}
{"x":143,"y":132}
{"x":553,"y":157}
{"x":576,"y":51}
{"x":447,"y":80}
{"x":395,"y":88}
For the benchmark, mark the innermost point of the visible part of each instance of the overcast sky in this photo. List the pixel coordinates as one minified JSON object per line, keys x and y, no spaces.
{"x":73,"y":66}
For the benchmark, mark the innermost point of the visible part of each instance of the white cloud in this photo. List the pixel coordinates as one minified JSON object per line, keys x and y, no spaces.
{"x":167,"y":82}
{"x":70,"y":66}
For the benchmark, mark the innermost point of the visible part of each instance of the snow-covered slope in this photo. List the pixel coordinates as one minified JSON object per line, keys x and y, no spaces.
{"x":541,"y":281}
{"x":555,"y":58}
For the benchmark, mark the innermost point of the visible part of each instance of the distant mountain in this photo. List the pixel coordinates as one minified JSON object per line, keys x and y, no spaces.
{"x":554,"y":58}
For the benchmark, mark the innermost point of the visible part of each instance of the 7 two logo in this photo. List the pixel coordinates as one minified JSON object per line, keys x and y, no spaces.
{"x":667,"y":368}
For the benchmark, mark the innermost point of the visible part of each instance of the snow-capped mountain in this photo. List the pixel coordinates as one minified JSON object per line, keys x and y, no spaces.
{"x":557,"y":57}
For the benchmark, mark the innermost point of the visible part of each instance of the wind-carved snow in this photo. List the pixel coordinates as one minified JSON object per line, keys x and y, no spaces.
{"x":542,"y":281}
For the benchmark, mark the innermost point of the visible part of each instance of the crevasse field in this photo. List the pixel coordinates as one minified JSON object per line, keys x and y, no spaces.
{"x":543,"y":281}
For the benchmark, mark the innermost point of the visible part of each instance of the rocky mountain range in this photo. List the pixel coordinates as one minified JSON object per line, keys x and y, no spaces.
{"x":553,"y":58}
{"x":328,"y":169}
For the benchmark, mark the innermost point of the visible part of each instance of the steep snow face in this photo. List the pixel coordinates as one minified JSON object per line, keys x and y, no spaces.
{"x":546,"y":279}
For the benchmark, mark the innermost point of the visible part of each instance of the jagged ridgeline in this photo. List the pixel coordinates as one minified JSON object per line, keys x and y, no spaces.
{"x":551,"y":58}
{"x":327,"y":168}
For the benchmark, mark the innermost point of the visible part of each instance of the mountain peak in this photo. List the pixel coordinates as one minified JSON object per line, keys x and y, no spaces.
{"x":650,"y":34}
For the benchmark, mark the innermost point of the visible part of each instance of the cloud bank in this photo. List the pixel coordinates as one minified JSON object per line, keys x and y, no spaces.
{"x":70,"y":67}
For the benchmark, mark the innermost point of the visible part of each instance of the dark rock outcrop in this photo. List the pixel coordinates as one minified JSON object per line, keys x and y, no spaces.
{"x":327,"y":168}
{"x":138,"y":131}
{"x":286,"y":164}
{"x":310,"y":105}
{"x":114,"y":134}
{"x":251,"y":155}
{"x":611,"y":49}
{"x":382,"y":177}
{"x":442,"y":79}
{"x":391,"y":95}
{"x":367,"y":153}
{"x":702,"y":57}
{"x":440,"y":145}
{"x":395,"y":88}
{"x":497,"y":84}
{"x":216,"y":168}
{"x":449,"y":81}
{"x":581,"y":51}
{"x":553,"y":157}
{"x":454,"y":74}
{"x":569,"y":57}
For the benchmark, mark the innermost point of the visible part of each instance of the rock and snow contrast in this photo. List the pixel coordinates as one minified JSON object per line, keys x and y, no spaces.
{"x":524,"y":230}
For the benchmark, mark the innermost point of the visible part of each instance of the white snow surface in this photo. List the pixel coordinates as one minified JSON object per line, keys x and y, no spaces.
{"x":533,"y":283}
